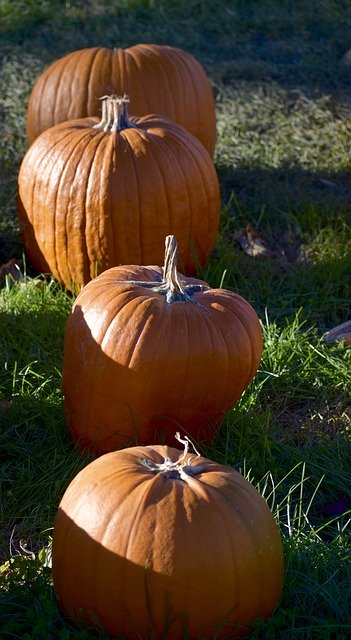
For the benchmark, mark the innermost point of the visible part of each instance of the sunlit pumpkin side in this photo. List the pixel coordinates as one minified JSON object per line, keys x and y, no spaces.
{"x":148,"y":351}
{"x":95,"y":194}
{"x":159,"y":79}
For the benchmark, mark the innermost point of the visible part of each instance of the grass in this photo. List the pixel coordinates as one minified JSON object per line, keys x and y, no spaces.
{"x":282,"y":156}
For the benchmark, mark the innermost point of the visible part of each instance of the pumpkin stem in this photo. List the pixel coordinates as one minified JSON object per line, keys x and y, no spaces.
{"x":170,"y":273}
{"x":114,"y":114}
{"x":181,"y":469}
{"x":171,"y":285}
{"x":185,"y":441}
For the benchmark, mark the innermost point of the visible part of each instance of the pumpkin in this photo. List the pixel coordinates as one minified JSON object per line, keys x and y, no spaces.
{"x":94,"y":194}
{"x":154,"y":543}
{"x":148,"y":350}
{"x":158,"y":79}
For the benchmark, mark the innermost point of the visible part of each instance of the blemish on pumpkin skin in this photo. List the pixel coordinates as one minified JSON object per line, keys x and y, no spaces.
{"x":217,"y":307}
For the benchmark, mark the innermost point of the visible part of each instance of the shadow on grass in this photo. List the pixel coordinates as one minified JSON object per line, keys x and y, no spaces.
{"x":288,"y":195}
{"x":296,"y":45}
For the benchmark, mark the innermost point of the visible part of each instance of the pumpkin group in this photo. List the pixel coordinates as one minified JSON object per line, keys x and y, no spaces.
{"x":94,"y":194}
{"x":157,"y":78}
{"x":153,"y":543}
{"x":148,"y":351}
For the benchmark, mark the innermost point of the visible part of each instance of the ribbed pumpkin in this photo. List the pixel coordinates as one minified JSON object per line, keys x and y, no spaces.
{"x":93,"y":195}
{"x":148,"y":351}
{"x":158,"y":79}
{"x":155,"y":543}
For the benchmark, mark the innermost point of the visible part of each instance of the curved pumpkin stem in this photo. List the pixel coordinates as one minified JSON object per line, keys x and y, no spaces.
{"x":171,"y":286}
{"x":181,"y":469}
{"x":114,"y":114}
{"x":170,"y":272}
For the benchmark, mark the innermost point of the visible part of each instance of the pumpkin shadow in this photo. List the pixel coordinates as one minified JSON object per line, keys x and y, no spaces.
{"x":286,"y":47}
{"x":276,"y":195}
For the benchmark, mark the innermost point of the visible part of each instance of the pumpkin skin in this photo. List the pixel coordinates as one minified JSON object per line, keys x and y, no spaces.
{"x":148,"y":351}
{"x":154,"y":543}
{"x":157,"y":78}
{"x":94,"y":194}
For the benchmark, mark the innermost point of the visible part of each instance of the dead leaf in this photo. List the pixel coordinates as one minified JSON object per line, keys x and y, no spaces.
{"x":13,"y":268}
{"x":252,"y":243}
{"x":340,"y":333}
{"x":5,"y":404}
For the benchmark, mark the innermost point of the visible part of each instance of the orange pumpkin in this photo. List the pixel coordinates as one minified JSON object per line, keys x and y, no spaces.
{"x":158,"y":79}
{"x":148,"y":350}
{"x":154,"y":543}
{"x":94,"y":194}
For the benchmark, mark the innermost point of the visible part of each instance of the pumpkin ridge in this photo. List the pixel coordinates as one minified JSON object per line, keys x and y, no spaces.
{"x":212,"y":496}
{"x":39,"y":101}
{"x":66,"y":62}
{"x":37,"y":187}
{"x":223,"y":387}
{"x":104,"y":161}
{"x":255,"y":538}
{"x":134,"y":304}
{"x":153,"y":145}
{"x":245,"y":384}
{"x":137,"y":195}
{"x":191,"y":160}
{"x":247,"y":310}
{"x":168,"y":372}
{"x":148,"y":303}
{"x":251,"y":534}
{"x":169,"y":93}
{"x":25,"y":217}
{"x":256,"y":352}
{"x":189,"y":101}
{"x":205,"y":389}
{"x":230,"y":354}
{"x":125,"y":182}
{"x":234,"y":552}
{"x":84,"y":161}
{"x":148,"y":390}
{"x":197,"y":487}
{"x":117,"y":222}
{"x":41,"y":83}
{"x":63,"y":236}
{"x":148,"y":52}
{"x":160,"y":222}
{"x":118,"y":72}
{"x":221,"y":398}
{"x":86,"y":406}
{"x":98,"y":240}
{"x":88,"y":99}
{"x":131,"y":56}
{"x":197,"y":168}
{"x":141,"y":393}
{"x":195,"y":150}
